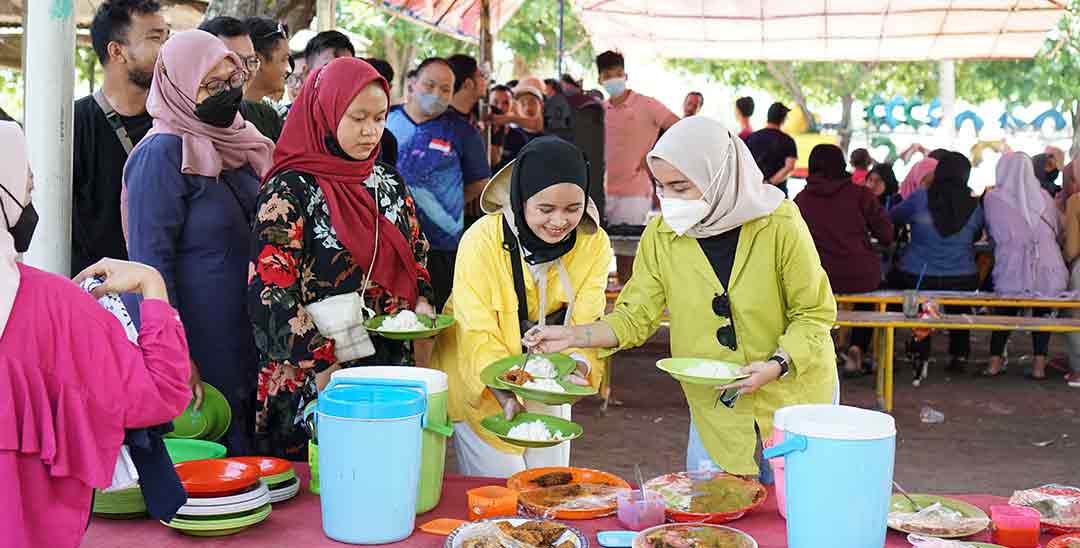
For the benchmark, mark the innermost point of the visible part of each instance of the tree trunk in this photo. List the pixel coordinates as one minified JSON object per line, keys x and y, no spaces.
{"x":847,"y":102}
{"x":295,"y":13}
{"x":1076,"y":132}
{"x":784,"y":72}
{"x":521,"y":67}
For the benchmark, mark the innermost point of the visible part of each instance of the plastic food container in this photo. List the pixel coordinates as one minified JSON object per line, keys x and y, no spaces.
{"x":1015,"y":526}
{"x":491,"y":502}
{"x":637,"y":513}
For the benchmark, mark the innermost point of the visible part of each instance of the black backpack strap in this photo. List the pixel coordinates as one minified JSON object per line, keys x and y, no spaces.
{"x":114,"y":121}
{"x":510,"y":244}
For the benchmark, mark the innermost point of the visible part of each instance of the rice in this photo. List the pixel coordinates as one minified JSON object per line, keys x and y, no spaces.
{"x":534,"y":431}
{"x":541,"y":368}
{"x":714,"y":370}
{"x":405,"y":320}
{"x":545,"y":385}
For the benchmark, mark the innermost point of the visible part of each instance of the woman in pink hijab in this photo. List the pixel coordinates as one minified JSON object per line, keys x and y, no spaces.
{"x":70,"y":380}
{"x":919,"y":177}
{"x":192,"y":184}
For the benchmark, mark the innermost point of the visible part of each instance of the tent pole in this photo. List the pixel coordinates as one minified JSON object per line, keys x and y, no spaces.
{"x":50,"y":85}
{"x":562,"y":12}
{"x":947,"y":91}
{"x":324,"y":14}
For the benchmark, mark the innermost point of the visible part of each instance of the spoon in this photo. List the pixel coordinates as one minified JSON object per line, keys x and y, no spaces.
{"x":914,"y":504}
{"x":640,"y":480}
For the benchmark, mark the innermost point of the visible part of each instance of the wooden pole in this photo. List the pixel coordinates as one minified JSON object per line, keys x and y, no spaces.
{"x":562,"y":12}
{"x":325,"y":15}
{"x":486,"y":63}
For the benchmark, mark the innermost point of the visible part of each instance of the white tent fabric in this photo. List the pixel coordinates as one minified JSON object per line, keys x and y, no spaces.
{"x":822,"y":30}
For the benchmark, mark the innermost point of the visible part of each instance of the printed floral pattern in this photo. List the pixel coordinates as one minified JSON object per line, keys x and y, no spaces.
{"x":298,"y":259}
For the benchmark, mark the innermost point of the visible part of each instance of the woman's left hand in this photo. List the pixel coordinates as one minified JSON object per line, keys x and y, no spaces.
{"x":424,"y":308}
{"x":761,"y":373}
{"x":580,"y":376}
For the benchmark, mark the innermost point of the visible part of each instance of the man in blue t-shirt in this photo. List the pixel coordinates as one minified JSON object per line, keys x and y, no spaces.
{"x":444,"y":162}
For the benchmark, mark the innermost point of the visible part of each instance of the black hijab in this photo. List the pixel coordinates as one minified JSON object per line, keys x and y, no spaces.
{"x":1048,"y":179}
{"x":938,"y":153}
{"x":951,"y":203}
{"x":827,"y":161}
{"x":543,"y":163}
{"x":892,"y":186}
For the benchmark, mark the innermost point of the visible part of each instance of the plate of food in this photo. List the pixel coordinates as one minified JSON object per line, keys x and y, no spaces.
{"x":707,"y":497}
{"x":701,"y":371}
{"x":939,"y":517}
{"x":516,"y":533}
{"x":406,"y":325}
{"x":543,"y":378}
{"x":552,"y":490}
{"x":1071,"y":540}
{"x":1059,"y":506}
{"x":531,"y":430}
{"x":693,"y":535}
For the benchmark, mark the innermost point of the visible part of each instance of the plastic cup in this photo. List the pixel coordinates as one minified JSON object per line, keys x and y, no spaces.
{"x":911,"y":303}
{"x":1015,"y":526}
{"x":491,"y":502}
{"x":637,"y":513}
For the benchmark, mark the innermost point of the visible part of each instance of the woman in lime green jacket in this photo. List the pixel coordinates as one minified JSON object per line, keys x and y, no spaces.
{"x":735,"y":265}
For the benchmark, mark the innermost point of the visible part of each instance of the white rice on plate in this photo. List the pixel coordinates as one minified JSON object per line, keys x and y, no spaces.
{"x":545,"y":385}
{"x":405,"y":320}
{"x":541,"y":368}
{"x":534,"y":431}
{"x":713,"y":370}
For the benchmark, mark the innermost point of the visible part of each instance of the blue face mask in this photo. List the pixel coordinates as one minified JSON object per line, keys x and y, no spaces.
{"x":615,"y":86}
{"x":431,"y":104}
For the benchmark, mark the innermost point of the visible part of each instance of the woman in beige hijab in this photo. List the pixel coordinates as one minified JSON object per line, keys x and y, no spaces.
{"x":735,"y":265}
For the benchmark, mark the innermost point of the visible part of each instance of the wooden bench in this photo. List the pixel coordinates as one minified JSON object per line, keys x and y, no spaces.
{"x":889,"y":322}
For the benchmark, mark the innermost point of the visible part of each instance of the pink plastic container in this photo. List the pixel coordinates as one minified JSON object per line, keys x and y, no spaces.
{"x":637,"y":514}
{"x":777,"y":464}
{"x":1015,"y":526}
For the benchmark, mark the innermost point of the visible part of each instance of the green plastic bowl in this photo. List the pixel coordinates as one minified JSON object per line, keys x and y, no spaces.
{"x":677,"y":367}
{"x":441,"y":322}
{"x":181,"y":450}
{"x":564,"y":365}
{"x":498,"y":425}
{"x":208,"y":423}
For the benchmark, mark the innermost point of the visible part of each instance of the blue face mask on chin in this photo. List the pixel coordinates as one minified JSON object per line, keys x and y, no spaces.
{"x":615,"y":87}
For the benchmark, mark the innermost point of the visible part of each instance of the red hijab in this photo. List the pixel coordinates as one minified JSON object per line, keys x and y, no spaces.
{"x":315,"y":114}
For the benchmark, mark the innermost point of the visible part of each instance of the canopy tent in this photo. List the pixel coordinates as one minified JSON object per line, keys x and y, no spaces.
{"x":458,"y":18}
{"x":823,"y":30}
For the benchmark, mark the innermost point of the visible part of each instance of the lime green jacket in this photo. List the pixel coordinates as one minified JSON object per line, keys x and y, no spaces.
{"x":780,"y":298}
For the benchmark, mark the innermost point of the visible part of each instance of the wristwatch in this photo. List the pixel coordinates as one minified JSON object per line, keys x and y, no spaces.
{"x":782,"y":362}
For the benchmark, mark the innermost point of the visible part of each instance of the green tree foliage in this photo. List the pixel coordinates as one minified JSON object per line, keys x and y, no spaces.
{"x":533,"y":35}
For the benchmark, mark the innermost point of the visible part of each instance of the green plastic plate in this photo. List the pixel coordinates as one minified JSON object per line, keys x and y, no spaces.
{"x":900,"y":504}
{"x":441,"y":322}
{"x":676,"y":367}
{"x":564,"y":365}
{"x":498,"y":425}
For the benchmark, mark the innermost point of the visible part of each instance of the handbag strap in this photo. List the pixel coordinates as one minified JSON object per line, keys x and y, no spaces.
{"x":510,"y":244}
{"x":114,"y":121}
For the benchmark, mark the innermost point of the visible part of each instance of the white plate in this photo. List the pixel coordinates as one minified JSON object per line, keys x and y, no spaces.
{"x":284,"y":493}
{"x":258,"y":493}
{"x":225,"y":509}
{"x":461,"y":534}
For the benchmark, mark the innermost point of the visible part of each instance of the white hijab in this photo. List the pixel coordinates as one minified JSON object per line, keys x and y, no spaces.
{"x":719,"y":164}
{"x":14,"y":162}
{"x":1017,"y":185}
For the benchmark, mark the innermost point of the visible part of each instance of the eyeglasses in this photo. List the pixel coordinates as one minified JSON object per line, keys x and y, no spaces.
{"x":281,"y":29}
{"x":252,"y":64}
{"x":721,"y":306}
{"x":217,"y":87}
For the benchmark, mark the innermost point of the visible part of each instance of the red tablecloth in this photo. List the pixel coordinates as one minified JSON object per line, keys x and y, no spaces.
{"x":298,"y":523}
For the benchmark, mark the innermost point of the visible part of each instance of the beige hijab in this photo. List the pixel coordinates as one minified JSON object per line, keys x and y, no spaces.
{"x":723,"y":168}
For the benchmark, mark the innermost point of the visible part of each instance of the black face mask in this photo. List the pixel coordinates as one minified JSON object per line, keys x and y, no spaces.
{"x":220,"y":110}
{"x":23,"y":229}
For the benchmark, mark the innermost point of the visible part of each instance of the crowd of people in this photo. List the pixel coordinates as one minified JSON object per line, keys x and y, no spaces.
{"x":243,"y":232}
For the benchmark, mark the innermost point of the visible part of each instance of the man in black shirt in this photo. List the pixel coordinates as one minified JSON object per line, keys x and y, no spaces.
{"x":234,"y":34}
{"x":774,"y":151}
{"x":126,"y":35}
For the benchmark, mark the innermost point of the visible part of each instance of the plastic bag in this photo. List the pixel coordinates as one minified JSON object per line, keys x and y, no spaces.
{"x":1058,"y":504}
{"x":937,"y":520}
{"x":920,"y":541}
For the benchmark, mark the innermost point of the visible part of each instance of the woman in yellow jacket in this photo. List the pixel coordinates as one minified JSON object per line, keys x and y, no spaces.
{"x":735,"y":265}
{"x":539,"y":216}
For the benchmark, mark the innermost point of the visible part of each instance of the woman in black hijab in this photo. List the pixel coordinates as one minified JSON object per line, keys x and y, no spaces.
{"x":1046,"y":171}
{"x":950,"y":199}
{"x":883,"y":183}
{"x":538,"y":255}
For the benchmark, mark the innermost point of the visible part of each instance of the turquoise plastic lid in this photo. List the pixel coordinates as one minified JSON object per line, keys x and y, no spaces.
{"x":372,"y":401}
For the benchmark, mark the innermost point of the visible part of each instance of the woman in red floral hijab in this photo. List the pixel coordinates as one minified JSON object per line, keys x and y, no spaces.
{"x":314,"y":249}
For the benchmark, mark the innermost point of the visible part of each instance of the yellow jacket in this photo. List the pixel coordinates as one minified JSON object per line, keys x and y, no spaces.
{"x":485,"y":306}
{"x":780,"y":297}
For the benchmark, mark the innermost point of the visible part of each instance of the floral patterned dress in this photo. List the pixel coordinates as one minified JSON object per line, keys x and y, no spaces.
{"x":298,"y":259}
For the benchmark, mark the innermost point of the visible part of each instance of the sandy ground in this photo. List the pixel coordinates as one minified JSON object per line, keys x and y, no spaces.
{"x":999,"y":434}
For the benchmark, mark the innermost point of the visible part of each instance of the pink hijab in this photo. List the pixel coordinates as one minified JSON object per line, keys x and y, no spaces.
{"x":14,"y":161}
{"x":207,"y":150}
{"x":914,"y":178}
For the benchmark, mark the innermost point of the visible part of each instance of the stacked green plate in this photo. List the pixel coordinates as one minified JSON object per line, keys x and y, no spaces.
{"x":564,"y":365}
{"x":498,"y":425}
{"x":219,"y":526}
{"x":181,"y":450}
{"x":126,"y":504}
{"x":433,"y":328}
{"x":208,"y":423}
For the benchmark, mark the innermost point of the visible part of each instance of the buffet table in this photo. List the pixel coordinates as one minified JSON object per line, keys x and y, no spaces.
{"x":298,"y":523}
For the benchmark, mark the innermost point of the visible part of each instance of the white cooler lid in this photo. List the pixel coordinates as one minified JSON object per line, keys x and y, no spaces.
{"x":435,"y":380}
{"x":780,"y":417}
{"x":839,"y":422}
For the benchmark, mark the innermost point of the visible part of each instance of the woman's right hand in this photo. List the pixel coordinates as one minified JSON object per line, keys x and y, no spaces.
{"x":125,"y":277}
{"x":509,"y":402}
{"x":549,"y":338}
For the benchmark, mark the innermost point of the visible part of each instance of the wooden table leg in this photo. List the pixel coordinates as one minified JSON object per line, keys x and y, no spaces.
{"x":890,"y":333}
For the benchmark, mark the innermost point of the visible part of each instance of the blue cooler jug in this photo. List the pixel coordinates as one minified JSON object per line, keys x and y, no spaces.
{"x":369,"y":458}
{"x":838,"y":475}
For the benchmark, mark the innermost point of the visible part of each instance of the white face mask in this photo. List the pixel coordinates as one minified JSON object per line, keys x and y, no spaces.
{"x":615,"y":87}
{"x":682,"y":215}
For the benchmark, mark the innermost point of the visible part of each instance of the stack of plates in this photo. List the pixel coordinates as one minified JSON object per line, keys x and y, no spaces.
{"x":126,"y":504}
{"x":224,"y":498}
{"x":277,"y":474}
{"x":210,"y":422}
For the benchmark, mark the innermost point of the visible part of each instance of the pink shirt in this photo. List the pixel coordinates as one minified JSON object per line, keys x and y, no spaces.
{"x":70,"y":383}
{"x":630,"y":131}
